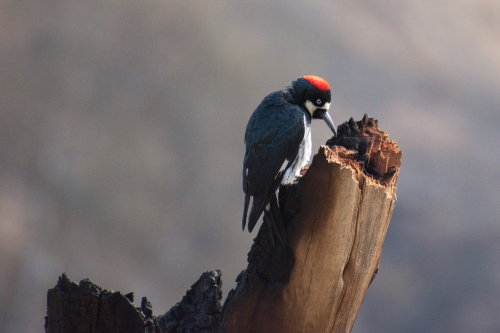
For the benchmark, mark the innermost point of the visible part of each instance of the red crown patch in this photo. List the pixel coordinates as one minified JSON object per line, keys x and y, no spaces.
{"x":317,"y":82}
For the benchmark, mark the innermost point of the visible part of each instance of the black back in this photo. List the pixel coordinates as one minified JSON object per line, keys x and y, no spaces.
{"x":273,"y":135}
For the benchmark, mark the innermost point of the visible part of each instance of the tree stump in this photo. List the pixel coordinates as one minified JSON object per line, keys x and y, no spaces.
{"x":336,"y":220}
{"x":86,"y":307}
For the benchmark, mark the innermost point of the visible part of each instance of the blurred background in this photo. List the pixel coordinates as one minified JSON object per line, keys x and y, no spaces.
{"x":121,"y":144}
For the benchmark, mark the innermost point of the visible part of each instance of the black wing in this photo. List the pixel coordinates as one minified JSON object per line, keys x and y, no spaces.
{"x":273,"y":136}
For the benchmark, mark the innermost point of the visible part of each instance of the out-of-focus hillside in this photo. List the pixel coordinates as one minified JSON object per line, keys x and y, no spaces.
{"x":121,"y":143}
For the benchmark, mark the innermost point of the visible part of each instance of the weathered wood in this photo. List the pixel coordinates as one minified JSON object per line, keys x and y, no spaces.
{"x":86,"y":307}
{"x":334,"y":239}
{"x":199,"y":309}
{"x":336,"y":220}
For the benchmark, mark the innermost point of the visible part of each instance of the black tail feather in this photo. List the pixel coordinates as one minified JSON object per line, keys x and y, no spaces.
{"x":273,"y":218}
{"x":258,"y":205}
{"x":245,"y":211}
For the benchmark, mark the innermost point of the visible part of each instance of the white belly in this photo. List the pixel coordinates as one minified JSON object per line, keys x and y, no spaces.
{"x":302,"y":159}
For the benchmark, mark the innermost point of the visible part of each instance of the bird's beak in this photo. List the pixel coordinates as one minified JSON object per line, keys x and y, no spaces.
{"x":328,"y":120}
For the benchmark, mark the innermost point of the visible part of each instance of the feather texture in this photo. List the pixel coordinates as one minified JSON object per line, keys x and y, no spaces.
{"x":274,"y":135}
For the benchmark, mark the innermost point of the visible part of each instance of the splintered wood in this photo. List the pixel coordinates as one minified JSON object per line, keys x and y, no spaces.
{"x":385,"y":153}
{"x":336,"y":220}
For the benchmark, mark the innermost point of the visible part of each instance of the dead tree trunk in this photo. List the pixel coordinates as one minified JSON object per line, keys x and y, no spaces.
{"x":336,"y":221}
{"x":339,"y":218}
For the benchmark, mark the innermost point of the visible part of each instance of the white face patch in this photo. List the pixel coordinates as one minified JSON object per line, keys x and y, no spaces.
{"x":310,"y":106}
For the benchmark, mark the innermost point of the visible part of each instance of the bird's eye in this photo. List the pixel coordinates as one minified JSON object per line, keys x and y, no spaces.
{"x":318,"y":101}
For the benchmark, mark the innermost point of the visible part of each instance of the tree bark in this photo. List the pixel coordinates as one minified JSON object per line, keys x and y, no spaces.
{"x":336,"y":220}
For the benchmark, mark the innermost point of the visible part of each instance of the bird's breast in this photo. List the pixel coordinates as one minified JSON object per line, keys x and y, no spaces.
{"x":302,"y":158}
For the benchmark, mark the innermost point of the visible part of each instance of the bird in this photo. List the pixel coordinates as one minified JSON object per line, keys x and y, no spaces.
{"x":278,"y":145}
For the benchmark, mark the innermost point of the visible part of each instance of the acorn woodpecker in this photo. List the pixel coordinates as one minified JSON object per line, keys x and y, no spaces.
{"x":278,"y":145}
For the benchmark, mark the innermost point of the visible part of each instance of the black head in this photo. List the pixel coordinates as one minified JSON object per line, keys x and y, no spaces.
{"x":315,"y":95}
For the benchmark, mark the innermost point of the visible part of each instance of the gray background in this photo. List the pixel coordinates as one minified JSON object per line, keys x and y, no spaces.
{"x":121,"y":143}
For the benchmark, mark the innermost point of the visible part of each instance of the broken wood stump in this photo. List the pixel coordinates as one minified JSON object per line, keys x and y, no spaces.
{"x":336,"y":220}
{"x":86,"y":307}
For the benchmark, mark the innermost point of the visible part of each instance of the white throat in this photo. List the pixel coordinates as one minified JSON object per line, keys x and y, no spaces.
{"x":303,"y":155}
